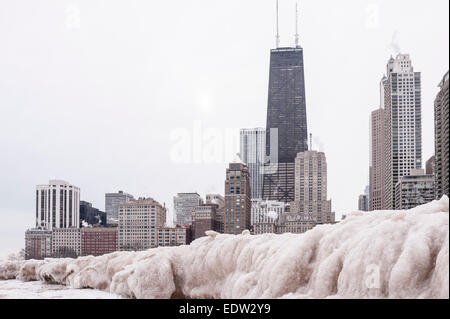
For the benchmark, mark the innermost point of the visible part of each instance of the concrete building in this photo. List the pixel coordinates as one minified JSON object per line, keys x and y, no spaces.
{"x":253,"y":151}
{"x":363,"y":202}
{"x":184,"y":204}
{"x":138,"y":223}
{"x":57,"y":205}
{"x":441,"y":136}
{"x":219,"y":200}
{"x":174,"y":236}
{"x":97,"y":241}
{"x":237,"y":198}
{"x":311,"y":187}
{"x":112,"y":201}
{"x":38,"y":243}
{"x":266,"y":211}
{"x":91,"y":215}
{"x":66,"y":242}
{"x":414,"y":190}
{"x":429,"y":166}
{"x":403,"y":124}
{"x":376,"y":166}
{"x":203,"y":219}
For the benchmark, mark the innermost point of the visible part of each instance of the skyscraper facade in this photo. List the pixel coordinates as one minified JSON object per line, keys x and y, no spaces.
{"x":414,"y":190}
{"x":57,"y":205}
{"x":402,"y":124}
{"x":311,"y":188}
{"x":253,"y":150}
{"x":237,"y":198}
{"x":376,"y":172}
{"x":286,"y":130}
{"x":184,"y":205}
{"x":441,"y":144}
{"x":112,"y":201}
{"x":138,"y":223}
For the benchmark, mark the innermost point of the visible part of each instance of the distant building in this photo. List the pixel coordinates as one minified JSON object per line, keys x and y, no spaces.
{"x":266,"y":211}
{"x":66,"y":242}
{"x":311,"y":188}
{"x":91,"y":215}
{"x":174,"y":236}
{"x":97,"y":241}
{"x":204,"y":219}
{"x":112,"y":201}
{"x":402,"y":124}
{"x":429,"y":166}
{"x":57,"y":205}
{"x":138,"y":223}
{"x":184,"y":204}
{"x":253,"y":151}
{"x":237,"y":198}
{"x":441,"y":138}
{"x":376,"y":165}
{"x":363,"y":203}
{"x":414,"y":190}
{"x":38,"y":243}
{"x":219,"y":200}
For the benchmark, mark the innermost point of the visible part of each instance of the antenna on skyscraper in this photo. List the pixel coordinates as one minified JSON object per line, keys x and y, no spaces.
{"x":310,"y":141}
{"x":296,"y":23}
{"x":278,"y":34}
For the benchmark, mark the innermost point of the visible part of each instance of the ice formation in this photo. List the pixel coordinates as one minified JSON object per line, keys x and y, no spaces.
{"x":382,"y":254}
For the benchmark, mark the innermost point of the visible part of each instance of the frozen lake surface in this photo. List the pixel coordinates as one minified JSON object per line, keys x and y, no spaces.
{"x":16,"y":289}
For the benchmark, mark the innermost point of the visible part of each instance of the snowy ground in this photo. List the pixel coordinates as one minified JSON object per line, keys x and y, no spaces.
{"x":16,"y":289}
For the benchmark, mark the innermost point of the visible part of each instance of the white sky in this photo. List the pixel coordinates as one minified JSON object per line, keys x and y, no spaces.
{"x":91,"y":91}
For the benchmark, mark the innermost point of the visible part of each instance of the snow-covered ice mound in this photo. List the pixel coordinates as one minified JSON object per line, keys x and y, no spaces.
{"x":383,"y":254}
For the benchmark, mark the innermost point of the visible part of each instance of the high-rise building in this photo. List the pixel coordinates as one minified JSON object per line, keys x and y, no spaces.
{"x":204,"y":219}
{"x":184,"y":204}
{"x":402,"y":124}
{"x":376,"y":166}
{"x":38,"y":243}
{"x":364,"y":200}
{"x":286,"y":130}
{"x":97,"y":241}
{"x":219,"y":200}
{"x":66,"y":242}
{"x":57,"y":205}
{"x":311,"y":187}
{"x":253,"y":151}
{"x":138,"y":223}
{"x":414,"y":190}
{"x":441,"y":136}
{"x":237,"y":198}
{"x":91,"y":215}
{"x":112,"y":201}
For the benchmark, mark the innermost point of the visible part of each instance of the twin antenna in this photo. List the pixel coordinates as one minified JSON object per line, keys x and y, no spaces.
{"x":277,"y":37}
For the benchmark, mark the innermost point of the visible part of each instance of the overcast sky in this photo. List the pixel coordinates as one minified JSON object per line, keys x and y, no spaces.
{"x":98,"y":93}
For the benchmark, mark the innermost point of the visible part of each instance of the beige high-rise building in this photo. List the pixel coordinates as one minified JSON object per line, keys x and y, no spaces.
{"x":441,"y":122}
{"x":311,"y":187}
{"x":139,"y":221}
{"x":402,"y":124}
{"x":237,"y":198}
{"x":376,"y":166}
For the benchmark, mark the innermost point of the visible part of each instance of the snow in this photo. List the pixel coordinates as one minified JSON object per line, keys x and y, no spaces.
{"x":382,"y":254}
{"x":16,"y":289}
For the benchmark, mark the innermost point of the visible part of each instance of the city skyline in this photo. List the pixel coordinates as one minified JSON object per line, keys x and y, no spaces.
{"x":95,"y":176}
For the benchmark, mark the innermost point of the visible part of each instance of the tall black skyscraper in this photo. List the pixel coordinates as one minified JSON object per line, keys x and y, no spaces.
{"x":286,"y":112}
